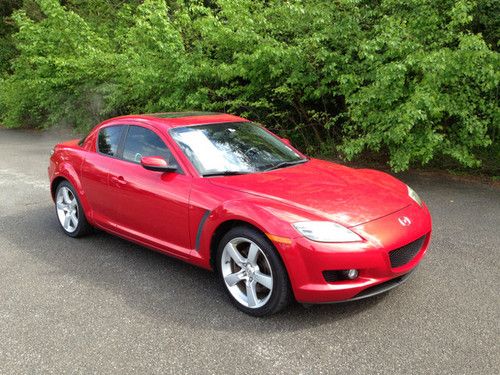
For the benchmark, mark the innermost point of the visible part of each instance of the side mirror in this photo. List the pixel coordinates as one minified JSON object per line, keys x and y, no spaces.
{"x":157,"y":164}
{"x":287,"y":141}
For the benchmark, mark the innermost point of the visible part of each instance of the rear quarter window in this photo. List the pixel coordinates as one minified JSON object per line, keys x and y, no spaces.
{"x":109,"y":140}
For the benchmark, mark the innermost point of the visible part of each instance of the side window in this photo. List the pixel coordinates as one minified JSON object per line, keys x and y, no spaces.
{"x":144,"y":142}
{"x":109,"y":139}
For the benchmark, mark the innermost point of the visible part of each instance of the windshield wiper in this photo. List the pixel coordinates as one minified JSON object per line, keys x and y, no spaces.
{"x":224,"y":173}
{"x":286,"y":164}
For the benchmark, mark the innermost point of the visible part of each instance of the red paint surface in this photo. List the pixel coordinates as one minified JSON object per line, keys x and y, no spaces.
{"x":163,"y":210}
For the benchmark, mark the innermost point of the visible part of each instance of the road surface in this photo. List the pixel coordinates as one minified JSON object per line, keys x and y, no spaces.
{"x":102,"y":305}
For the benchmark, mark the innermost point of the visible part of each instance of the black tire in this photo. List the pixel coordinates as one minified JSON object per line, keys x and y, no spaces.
{"x":83,"y":226}
{"x":281,"y":294}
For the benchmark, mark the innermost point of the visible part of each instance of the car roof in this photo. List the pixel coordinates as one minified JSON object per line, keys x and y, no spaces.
{"x":176,"y":119}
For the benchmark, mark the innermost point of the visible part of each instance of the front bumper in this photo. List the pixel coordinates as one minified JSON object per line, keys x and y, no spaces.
{"x":306,"y":260}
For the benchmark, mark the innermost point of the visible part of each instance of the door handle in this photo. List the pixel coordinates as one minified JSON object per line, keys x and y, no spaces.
{"x":118,"y":180}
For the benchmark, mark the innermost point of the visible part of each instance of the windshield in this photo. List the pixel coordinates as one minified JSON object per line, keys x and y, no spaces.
{"x":233,"y":148}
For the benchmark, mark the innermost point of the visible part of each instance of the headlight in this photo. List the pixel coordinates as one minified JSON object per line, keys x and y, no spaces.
{"x":326,"y":231}
{"x":414,"y":195}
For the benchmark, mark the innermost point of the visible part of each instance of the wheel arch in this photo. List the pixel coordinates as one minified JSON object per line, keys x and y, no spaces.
{"x":219,"y":232}
{"x":67,"y":173}
{"x":270,"y":221}
{"x":224,"y":228}
{"x":55,"y":183}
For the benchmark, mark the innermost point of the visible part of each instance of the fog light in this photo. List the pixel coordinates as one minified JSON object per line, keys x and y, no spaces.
{"x":351,"y":274}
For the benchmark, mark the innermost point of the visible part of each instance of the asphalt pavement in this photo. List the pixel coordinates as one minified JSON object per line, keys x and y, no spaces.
{"x":102,"y":305}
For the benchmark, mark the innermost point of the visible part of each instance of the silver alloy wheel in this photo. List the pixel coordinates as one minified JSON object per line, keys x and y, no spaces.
{"x":67,"y":209}
{"x":247,"y":272}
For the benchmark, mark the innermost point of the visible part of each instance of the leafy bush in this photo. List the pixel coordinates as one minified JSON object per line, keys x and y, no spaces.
{"x":428,"y":87}
{"x":414,"y":80}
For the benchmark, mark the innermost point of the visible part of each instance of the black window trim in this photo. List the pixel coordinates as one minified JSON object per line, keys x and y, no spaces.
{"x":121,"y":145}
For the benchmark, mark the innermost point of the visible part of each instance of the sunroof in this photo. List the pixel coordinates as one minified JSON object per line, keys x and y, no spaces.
{"x":181,"y":114}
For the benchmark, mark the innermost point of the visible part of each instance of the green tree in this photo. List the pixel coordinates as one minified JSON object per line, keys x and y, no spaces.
{"x":413,"y":80}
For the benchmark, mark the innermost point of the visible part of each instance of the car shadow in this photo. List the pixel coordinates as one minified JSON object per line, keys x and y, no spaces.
{"x":154,"y":284}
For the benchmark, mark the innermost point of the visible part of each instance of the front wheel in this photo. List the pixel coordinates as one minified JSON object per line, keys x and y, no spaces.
{"x":252,"y":272}
{"x":70,"y":211}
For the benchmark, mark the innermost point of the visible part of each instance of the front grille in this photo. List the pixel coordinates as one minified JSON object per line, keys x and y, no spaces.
{"x":405,"y":254}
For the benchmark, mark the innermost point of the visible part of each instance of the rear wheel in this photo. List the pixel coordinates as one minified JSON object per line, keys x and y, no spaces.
{"x":252,"y":272}
{"x":70,"y":211}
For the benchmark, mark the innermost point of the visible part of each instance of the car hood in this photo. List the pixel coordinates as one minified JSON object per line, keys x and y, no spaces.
{"x":345,"y":195}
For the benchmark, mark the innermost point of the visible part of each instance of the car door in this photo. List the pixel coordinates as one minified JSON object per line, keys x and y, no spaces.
{"x":94,"y":173}
{"x":150,"y":206}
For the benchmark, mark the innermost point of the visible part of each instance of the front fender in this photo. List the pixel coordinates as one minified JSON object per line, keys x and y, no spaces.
{"x":268,"y":217}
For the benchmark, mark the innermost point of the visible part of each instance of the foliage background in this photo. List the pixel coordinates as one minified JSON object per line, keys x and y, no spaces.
{"x":408,"y":81}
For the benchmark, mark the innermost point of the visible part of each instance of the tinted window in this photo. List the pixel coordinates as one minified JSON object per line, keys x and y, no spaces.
{"x":109,"y":139}
{"x":143,"y":142}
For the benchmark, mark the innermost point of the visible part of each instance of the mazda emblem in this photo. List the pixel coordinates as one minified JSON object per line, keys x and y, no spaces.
{"x":404,"y":221}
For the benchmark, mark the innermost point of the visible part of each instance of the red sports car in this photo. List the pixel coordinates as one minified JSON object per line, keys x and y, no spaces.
{"x":225,"y":194}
